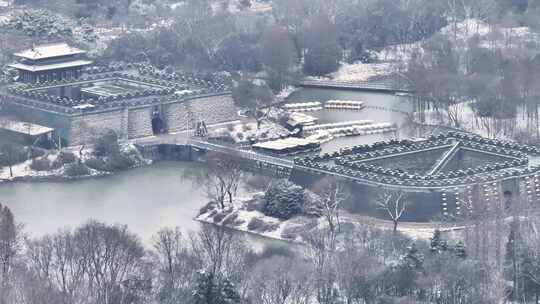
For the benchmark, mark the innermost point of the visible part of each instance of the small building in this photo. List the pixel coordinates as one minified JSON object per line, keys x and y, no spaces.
{"x":26,"y":133}
{"x":288,"y":146}
{"x":50,"y":62}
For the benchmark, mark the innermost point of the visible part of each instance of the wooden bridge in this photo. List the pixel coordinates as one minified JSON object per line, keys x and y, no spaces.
{"x":385,"y":86}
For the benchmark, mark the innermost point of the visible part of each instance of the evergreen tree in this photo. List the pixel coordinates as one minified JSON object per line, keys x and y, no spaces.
{"x":283,"y":199}
{"x":405,"y":275}
{"x":460,"y":251}
{"x":437,"y":244}
{"x":210,"y":290}
{"x":413,"y":259}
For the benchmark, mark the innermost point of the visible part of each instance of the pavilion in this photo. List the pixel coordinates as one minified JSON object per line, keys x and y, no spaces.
{"x":48,"y":62}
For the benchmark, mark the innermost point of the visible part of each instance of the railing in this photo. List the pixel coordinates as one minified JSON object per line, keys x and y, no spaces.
{"x":381,"y":86}
{"x":246,"y":154}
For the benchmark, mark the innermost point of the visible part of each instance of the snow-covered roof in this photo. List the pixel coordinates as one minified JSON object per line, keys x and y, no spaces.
{"x":24,"y":127}
{"x":286,"y":143}
{"x":52,"y":66}
{"x":49,"y":51}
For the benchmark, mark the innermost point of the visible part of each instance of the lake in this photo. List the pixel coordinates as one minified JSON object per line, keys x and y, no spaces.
{"x":149,"y":198}
{"x":145,"y":199}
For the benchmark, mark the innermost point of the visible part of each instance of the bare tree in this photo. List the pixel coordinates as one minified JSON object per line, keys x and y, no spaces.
{"x":357,"y":273}
{"x":115,"y":262}
{"x":331,"y":193}
{"x":395,"y":205}
{"x":9,"y":154}
{"x":256,"y":98}
{"x":223,"y":257}
{"x":280,"y":280}
{"x":221,"y":177}
{"x":321,"y":252}
{"x":176,"y":266}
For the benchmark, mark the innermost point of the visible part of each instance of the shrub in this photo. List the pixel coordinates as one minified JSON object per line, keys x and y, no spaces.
{"x":219,"y":217}
{"x":107,"y":144}
{"x":66,"y":157}
{"x":110,"y":164}
{"x":120,"y":162}
{"x":257,"y":224}
{"x":283,"y":199}
{"x":273,"y":250}
{"x":255,"y":204}
{"x":40,"y":164}
{"x":76,"y":169}
{"x":232,"y":220}
{"x":96,"y":164}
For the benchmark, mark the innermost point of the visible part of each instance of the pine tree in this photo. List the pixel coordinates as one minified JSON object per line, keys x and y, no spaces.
{"x":413,"y":259}
{"x":205,"y":291}
{"x":229,"y":294}
{"x":438,"y":245}
{"x":209,"y":290}
{"x":460,"y":251}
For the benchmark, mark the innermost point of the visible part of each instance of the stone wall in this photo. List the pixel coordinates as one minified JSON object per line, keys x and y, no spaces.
{"x":136,"y":122}
{"x":211,"y":109}
{"x":130,"y":122}
{"x":175,"y":116}
{"x":84,"y":128}
{"x":139,"y":122}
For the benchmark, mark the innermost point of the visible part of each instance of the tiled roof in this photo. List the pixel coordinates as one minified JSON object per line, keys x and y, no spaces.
{"x":52,"y":66}
{"x":49,"y":51}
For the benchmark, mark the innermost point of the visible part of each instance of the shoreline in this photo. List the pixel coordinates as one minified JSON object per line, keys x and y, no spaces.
{"x":415,"y":230}
{"x":54,"y":177}
{"x":240,"y":216}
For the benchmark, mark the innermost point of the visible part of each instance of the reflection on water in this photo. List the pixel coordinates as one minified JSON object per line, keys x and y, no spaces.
{"x":376,"y":104}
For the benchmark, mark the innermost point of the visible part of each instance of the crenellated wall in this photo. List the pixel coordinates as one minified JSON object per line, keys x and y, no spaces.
{"x":136,"y":122}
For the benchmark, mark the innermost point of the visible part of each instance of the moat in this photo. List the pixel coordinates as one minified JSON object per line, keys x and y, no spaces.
{"x":149,"y":198}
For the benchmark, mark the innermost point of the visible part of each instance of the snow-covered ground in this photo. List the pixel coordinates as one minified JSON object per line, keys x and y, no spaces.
{"x":286,"y":92}
{"x":256,"y":7}
{"x":241,"y":214}
{"x":24,"y":170}
{"x":461,"y":33}
{"x":468,"y":121}
{"x":361,"y":71}
{"x":242,"y":132}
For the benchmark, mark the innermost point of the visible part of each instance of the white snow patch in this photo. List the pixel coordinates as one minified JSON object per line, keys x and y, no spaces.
{"x":467,"y":120}
{"x":286,"y":92}
{"x":460,"y":33}
{"x":241,"y":133}
{"x":361,"y":71}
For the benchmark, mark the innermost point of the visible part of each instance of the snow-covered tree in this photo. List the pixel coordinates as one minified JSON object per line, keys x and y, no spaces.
{"x":283,"y":199}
